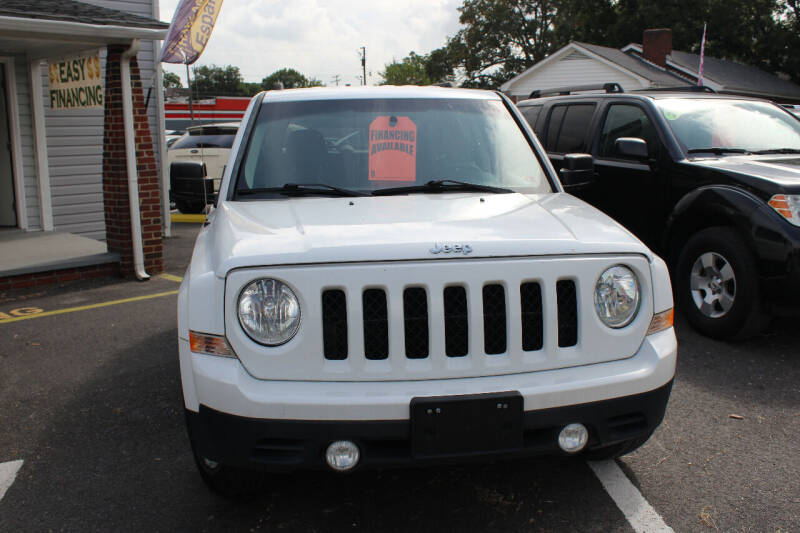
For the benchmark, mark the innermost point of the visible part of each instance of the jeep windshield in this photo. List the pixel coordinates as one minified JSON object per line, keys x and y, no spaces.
{"x":730,"y":127}
{"x":370,"y":145}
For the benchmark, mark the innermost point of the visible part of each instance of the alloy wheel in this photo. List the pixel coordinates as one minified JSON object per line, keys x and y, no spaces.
{"x":713,"y":284}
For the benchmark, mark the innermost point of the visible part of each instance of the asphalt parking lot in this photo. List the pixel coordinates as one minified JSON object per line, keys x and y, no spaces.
{"x":90,"y":403}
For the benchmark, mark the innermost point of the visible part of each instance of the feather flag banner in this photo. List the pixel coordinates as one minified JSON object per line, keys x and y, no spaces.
{"x":190,"y":30}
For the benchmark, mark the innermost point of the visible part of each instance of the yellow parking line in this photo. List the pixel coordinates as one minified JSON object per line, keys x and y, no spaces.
{"x":170,"y":277}
{"x":86,"y":307}
{"x":180,"y":217}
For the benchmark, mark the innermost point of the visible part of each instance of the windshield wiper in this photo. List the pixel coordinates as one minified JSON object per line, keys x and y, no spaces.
{"x":440,"y":186}
{"x":777,"y":151}
{"x":301,"y":189}
{"x":718,"y":150}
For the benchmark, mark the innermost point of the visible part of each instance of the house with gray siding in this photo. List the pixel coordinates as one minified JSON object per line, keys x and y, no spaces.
{"x":56,"y":114}
{"x":653,"y":64}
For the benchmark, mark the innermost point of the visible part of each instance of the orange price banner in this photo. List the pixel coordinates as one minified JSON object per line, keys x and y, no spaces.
{"x":392,"y":149}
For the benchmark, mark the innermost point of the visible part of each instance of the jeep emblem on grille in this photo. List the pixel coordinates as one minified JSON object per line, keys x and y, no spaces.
{"x":451,"y":249}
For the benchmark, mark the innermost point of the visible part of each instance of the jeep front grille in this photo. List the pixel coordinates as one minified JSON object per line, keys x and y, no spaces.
{"x":440,"y":319}
{"x":455,"y":320}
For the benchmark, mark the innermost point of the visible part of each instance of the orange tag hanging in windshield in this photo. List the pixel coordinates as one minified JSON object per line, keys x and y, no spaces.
{"x":392,"y":149}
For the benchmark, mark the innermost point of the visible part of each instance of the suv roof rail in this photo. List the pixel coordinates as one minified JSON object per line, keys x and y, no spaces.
{"x":611,"y":87}
{"x":682,"y":89}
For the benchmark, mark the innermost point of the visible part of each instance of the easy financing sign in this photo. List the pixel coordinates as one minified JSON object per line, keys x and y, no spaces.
{"x":76,"y":83}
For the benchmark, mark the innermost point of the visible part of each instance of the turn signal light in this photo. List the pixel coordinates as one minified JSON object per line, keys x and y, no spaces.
{"x":209,"y":344}
{"x":661,"y":321}
{"x":788,"y":206}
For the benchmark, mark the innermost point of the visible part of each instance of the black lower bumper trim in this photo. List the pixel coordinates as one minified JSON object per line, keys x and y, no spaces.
{"x":300,"y":444}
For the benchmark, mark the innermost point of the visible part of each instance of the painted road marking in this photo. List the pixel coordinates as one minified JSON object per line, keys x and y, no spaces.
{"x":180,"y":217}
{"x":22,"y":311}
{"x":170,"y":277}
{"x":8,"y":473}
{"x":640,"y":514}
{"x":86,"y":307}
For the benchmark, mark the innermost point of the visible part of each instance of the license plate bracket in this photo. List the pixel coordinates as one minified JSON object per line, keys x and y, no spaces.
{"x":466,"y":424}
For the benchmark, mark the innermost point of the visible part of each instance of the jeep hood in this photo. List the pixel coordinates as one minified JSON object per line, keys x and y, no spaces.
{"x":782,"y":170}
{"x":391,"y":228}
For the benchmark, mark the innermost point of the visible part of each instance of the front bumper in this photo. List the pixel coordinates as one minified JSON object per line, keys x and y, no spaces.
{"x":285,"y":445}
{"x":232,"y":415}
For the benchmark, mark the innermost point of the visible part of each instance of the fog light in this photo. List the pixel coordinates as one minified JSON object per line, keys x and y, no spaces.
{"x":573,"y":438}
{"x":342,"y":455}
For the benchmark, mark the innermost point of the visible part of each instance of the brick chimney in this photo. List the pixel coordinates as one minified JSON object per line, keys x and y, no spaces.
{"x":657,"y":45}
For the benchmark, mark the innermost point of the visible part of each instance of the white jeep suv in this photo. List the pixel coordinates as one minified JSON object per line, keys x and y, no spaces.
{"x":395,"y":276}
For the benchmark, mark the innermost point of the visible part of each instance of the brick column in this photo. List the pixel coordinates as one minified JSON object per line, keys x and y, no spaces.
{"x":115,"y":176}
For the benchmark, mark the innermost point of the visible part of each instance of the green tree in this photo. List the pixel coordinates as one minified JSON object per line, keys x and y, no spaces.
{"x":213,"y":80}
{"x":412,"y":70}
{"x":501,"y":38}
{"x":440,"y":65}
{"x":290,"y":78}
{"x":250,"y":88}
{"x":171,"y":81}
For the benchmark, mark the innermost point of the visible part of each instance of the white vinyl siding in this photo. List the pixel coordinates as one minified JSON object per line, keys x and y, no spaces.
{"x":573,"y":69}
{"x":75,"y":158}
{"x":29,"y":174}
{"x":75,"y":143}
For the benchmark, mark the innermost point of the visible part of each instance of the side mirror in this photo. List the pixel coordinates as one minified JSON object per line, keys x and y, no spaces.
{"x":577,"y":171}
{"x":631,"y":147}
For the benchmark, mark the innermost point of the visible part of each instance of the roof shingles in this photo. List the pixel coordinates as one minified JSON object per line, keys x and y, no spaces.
{"x":73,"y":11}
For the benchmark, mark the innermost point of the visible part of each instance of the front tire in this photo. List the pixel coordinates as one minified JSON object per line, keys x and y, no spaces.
{"x":717,"y":285}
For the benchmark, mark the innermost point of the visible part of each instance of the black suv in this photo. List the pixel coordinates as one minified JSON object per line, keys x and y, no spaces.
{"x":709,"y":181}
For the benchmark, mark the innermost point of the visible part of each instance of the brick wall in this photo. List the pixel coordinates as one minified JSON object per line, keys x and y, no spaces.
{"x":115,"y":176}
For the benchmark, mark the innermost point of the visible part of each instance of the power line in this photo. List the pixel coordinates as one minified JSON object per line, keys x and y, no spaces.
{"x":336,"y":79}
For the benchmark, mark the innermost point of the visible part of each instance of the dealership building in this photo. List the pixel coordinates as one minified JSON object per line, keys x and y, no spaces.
{"x":82,"y":157}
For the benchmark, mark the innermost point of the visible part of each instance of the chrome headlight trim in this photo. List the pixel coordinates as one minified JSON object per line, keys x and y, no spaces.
{"x":617,"y":296}
{"x":268,"y":311}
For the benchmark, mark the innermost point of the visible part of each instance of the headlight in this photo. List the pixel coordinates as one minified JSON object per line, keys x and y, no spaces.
{"x":616,"y":296}
{"x":788,"y":206}
{"x":269,"y":312}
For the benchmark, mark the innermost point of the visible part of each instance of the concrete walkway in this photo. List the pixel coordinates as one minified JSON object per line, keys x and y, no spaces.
{"x":24,"y":252}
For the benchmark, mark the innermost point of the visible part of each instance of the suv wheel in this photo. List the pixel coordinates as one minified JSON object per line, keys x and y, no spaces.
{"x":717,"y":285}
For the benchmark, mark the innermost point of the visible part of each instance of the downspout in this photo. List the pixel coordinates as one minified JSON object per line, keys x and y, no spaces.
{"x":130,"y":158}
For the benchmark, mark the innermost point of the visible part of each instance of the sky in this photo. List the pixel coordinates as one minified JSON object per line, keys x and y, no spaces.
{"x":322,"y":38}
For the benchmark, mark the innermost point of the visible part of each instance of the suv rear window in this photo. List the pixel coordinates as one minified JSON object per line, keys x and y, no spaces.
{"x":207,"y":137}
{"x":568,"y":127}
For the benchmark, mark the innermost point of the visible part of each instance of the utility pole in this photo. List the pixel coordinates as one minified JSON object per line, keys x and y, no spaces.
{"x":364,"y":65}
{"x":336,"y":79}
